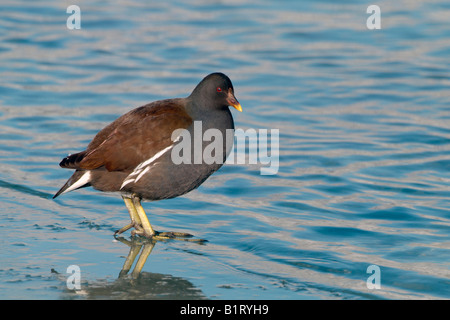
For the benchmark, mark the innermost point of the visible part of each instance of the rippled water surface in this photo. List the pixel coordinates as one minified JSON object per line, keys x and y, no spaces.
{"x":364,"y":173}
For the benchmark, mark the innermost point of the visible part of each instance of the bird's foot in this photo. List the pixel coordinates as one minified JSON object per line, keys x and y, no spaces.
{"x":133,"y":224}
{"x":177,"y":236}
{"x":161,"y":236}
{"x":172,"y":235}
{"x":155,"y":235}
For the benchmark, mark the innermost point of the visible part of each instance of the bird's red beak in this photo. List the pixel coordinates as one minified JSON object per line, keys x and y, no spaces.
{"x":232,"y":101}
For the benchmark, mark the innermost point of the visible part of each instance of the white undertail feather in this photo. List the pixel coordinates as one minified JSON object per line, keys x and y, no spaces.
{"x":84,"y":179}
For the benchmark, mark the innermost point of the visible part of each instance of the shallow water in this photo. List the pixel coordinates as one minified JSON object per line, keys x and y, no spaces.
{"x":364,"y":149}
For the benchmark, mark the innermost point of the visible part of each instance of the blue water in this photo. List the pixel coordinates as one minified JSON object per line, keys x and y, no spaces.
{"x":364,"y":174}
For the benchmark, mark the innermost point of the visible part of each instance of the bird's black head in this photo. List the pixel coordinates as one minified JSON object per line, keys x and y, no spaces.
{"x":215,"y":91}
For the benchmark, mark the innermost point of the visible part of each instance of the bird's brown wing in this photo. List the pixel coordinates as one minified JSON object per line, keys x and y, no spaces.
{"x":134,"y":137}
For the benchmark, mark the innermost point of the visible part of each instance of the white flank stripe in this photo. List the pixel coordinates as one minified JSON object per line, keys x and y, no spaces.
{"x":156,"y":156}
{"x":85,"y":178}
{"x":141,"y":174}
{"x":140,"y":171}
{"x":125,"y":183}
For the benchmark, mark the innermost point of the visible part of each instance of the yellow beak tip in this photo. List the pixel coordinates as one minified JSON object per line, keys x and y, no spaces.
{"x":238,"y":107}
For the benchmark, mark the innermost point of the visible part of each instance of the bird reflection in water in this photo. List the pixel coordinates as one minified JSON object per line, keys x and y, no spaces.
{"x":143,"y":246}
{"x":136,"y":246}
{"x":137,"y":284}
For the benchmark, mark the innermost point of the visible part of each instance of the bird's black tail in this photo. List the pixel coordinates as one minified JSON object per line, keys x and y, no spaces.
{"x":72,"y":160}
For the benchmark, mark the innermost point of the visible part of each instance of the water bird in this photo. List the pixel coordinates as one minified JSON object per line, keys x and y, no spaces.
{"x":132,"y":155}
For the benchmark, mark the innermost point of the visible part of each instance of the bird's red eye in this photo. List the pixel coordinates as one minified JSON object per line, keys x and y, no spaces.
{"x":219,"y":89}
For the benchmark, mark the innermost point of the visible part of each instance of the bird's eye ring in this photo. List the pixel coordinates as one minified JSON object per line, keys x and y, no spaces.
{"x":219,"y":89}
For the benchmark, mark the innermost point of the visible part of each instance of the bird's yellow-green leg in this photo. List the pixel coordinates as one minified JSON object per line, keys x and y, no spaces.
{"x":142,"y":225}
{"x":135,"y":219}
{"x":148,"y":229}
